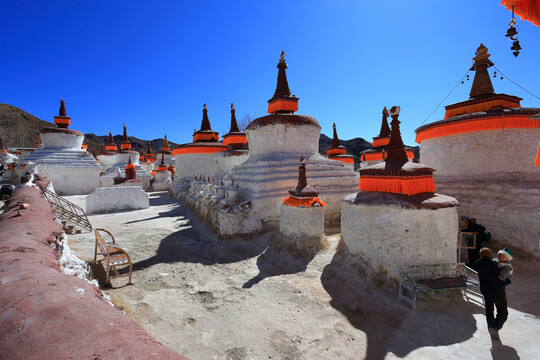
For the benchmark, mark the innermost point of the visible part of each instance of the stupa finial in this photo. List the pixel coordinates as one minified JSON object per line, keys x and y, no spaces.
{"x":62,"y":111}
{"x":205,"y":125}
{"x":335,"y":140}
{"x":482,"y":82}
{"x":125,"y":137}
{"x":283,"y":102}
{"x":385,"y":129}
{"x":396,"y":155}
{"x":234,"y":124}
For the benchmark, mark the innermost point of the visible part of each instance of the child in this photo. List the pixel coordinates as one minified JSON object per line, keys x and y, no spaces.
{"x":504,"y":271}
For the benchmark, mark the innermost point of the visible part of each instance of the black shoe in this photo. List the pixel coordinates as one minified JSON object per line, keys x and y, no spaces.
{"x":494,"y":333}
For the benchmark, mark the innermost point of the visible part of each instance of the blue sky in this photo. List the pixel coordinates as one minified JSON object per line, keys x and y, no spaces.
{"x":154,"y":64}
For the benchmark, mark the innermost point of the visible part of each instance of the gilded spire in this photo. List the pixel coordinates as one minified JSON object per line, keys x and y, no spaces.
{"x":62,"y":111}
{"x":396,"y":155}
{"x":205,"y":125}
{"x":234,"y":124}
{"x":385,"y":129}
{"x":482,"y":82}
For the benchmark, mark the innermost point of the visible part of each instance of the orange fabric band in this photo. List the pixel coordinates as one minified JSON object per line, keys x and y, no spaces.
{"x":234,"y":139}
{"x":537,"y":162}
{"x":205,"y":136}
{"x":199,"y":150}
{"x":282,"y":104}
{"x":291,"y":201}
{"x":380,"y":142}
{"x":397,"y":185}
{"x":335,"y":152}
{"x":473,"y":125}
{"x":345,"y":160}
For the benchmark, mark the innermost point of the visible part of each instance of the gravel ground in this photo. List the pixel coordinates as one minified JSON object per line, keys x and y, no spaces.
{"x":241,"y":299}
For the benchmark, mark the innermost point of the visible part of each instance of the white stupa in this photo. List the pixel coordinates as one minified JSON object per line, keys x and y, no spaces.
{"x":119,"y":160}
{"x":71,"y":169}
{"x":276,"y":142}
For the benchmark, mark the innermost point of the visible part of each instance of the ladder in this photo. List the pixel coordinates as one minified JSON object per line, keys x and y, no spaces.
{"x":67,"y":210}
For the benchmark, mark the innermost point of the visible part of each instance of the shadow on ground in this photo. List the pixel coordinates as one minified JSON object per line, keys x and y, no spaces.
{"x":274,"y":262}
{"x":373,"y":307}
{"x":195,"y":244}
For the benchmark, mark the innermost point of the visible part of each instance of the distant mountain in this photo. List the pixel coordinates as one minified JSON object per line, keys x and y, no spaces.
{"x":353,"y":146}
{"x":19,"y":128}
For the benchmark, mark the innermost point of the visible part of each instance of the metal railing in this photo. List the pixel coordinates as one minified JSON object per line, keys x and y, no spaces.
{"x":67,"y":210}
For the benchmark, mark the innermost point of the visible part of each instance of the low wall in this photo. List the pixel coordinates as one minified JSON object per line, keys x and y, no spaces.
{"x":48,"y":315}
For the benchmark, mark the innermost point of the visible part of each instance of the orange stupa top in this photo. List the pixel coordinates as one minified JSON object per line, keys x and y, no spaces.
{"x":485,"y":109}
{"x":111,"y":146}
{"x":62,"y":120}
{"x":396,"y":174}
{"x":205,"y":141}
{"x":131,"y":172}
{"x":338,"y":151}
{"x":303,"y":194}
{"x":162,"y":166}
{"x":149,"y":155}
{"x":283,"y":102}
{"x":235,"y":138}
{"x":126,"y":144}
{"x":380,"y":143}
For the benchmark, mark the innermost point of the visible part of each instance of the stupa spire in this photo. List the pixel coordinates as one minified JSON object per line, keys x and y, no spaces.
{"x":111,"y":146}
{"x":62,"y":120}
{"x":303,"y":190}
{"x":385,"y":129}
{"x":205,"y":125}
{"x":283,"y":102}
{"x":482,"y":82}
{"x":234,"y":124}
{"x":125,"y":137}
{"x":396,"y":155}
{"x":62,"y":111}
{"x":166,"y":144}
{"x":335,"y":140}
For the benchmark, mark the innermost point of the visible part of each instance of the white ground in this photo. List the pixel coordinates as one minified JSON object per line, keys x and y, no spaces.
{"x":211,"y":299}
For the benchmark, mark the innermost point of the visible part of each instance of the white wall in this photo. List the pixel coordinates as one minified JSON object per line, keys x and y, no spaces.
{"x":385,"y":237}
{"x":116,"y":198}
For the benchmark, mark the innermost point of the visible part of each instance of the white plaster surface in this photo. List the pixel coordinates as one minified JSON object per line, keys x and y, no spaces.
{"x":225,"y":162}
{"x":61,"y":141}
{"x":162,"y":181}
{"x":387,"y":236}
{"x":266,"y":180}
{"x":116,"y":198}
{"x":279,"y":138}
{"x":72,"y":171}
{"x":190,"y":165}
{"x":301,"y":221}
{"x":483,"y":153}
{"x":492,"y":174}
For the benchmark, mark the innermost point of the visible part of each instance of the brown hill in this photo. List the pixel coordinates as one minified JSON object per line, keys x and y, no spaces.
{"x":19,"y":128}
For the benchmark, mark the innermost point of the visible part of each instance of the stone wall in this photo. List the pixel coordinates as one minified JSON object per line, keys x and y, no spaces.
{"x":116,"y":198}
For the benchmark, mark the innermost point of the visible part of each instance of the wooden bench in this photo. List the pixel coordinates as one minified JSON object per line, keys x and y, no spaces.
{"x":417,"y":279}
{"x":114,"y":255}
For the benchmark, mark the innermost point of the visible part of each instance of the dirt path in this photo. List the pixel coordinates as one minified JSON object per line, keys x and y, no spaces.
{"x":208,"y":299}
